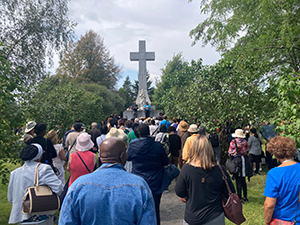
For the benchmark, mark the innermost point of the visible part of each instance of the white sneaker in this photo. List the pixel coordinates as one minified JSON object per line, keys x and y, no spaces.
{"x":260,"y":169}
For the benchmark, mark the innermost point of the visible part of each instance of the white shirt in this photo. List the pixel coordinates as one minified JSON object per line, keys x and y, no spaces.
{"x":23,"y":177}
{"x":57,"y":162}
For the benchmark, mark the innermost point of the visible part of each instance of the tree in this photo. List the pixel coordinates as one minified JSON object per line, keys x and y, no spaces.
{"x":60,"y":105}
{"x":88,"y":61}
{"x":267,"y":34}
{"x":164,"y":85}
{"x":32,"y":31}
{"x":126,"y":93}
{"x":10,"y":116}
{"x":269,"y":29}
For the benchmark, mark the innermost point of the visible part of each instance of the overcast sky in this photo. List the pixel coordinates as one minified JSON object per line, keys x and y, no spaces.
{"x":164,"y":24}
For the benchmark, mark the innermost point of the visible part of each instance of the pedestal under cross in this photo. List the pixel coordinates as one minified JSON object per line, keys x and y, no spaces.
{"x":142,"y":56}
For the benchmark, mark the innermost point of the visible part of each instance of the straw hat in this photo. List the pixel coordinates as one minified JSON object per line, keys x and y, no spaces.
{"x":84,"y":142}
{"x":29,"y":126}
{"x":239,"y":133}
{"x":193,"y":128}
{"x":183,"y":126}
{"x":114,"y":132}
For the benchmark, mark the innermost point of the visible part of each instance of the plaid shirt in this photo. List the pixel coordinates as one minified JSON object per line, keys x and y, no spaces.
{"x":242,"y":147}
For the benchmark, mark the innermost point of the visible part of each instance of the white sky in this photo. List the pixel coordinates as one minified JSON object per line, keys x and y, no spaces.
{"x":164,"y":24}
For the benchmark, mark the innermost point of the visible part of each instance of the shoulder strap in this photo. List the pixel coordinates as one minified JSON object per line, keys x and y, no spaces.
{"x":225,"y":179}
{"x":155,"y":130}
{"x":83,"y":162}
{"x":36,"y":175}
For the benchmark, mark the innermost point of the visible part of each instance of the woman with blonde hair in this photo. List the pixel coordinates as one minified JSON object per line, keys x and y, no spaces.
{"x":201,"y":182}
{"x":58,"y":161}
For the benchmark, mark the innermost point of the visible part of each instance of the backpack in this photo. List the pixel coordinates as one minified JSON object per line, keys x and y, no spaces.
{"x":163,"y":138}
{"x":214,"y":140}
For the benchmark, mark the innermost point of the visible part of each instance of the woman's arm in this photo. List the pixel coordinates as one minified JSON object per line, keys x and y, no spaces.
{"x":269,"y":207}
{"x":62,"y":155}
{"x":180,"y":188}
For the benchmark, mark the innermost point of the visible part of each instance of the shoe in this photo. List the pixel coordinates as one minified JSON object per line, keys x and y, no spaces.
{"x":260,"y":169}
{"x":245,"y":200}
{"x":256,"y":174}
{"x":183,"y":200}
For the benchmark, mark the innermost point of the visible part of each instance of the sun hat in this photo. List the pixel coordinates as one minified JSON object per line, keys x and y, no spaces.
{"x":84,"y":142}
{"x":239,"y":133}
{"x":183,"y":126}
{"x":29,"y":126}
{"x":114,"y":132}
{"x":193,"y":128}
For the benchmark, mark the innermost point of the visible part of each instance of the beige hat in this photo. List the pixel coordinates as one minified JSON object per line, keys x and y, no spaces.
{"x":193,"y":128}
{"x":239,"y":133}
{"x":114,"y":132}
{"x":84,"y":142}
{"x":183,"y":126}
{"x":29,"y":126}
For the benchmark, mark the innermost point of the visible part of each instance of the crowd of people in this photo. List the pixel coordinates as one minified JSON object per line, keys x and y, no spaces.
{"x":117,"y":169}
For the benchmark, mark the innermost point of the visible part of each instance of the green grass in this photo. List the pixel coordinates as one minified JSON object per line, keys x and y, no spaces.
{"x":253,"y":211}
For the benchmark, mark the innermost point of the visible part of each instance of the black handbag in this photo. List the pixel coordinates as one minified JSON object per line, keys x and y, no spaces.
{"x":39,"y":198}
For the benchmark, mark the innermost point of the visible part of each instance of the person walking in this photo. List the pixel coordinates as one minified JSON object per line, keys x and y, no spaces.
{"x":110,"y":195}
{"x":148,"y":160}
{"x":202,"y":183}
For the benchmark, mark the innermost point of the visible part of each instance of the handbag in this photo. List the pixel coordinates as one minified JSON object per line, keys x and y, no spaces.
{"x":170,"y":173}
{"x":232,"y":206}
{"x":39,"y":198}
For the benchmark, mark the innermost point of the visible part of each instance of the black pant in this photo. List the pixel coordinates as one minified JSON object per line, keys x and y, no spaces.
{"x":157,"y":203}
{"x":256,"y":159}
{"x":241,"y":183}
{"x":147,"y":113}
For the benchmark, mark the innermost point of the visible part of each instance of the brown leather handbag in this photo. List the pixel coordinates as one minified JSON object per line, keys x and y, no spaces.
{"x":39,"y":198}
{"x":232,"y":206}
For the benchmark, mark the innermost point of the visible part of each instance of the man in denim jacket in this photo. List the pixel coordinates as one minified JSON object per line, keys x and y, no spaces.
{"x":110,"y":195}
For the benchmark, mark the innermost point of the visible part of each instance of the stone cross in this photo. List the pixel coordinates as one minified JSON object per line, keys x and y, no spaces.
{"x":142,"y":56}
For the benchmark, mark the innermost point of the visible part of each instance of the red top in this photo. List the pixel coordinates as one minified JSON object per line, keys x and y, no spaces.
{"x":77,"y":168}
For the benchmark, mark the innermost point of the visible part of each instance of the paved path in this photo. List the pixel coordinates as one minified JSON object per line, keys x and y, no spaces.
{"x":171,"y":207}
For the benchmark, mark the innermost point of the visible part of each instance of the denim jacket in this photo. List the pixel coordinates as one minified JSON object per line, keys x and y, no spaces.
{"x":110,"y":195}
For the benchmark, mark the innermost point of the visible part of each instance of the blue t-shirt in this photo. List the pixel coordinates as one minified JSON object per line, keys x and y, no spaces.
{"x":147,"y":107}
{"x":283,"y":183}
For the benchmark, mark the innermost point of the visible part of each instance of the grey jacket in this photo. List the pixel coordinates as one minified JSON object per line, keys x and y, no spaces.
{"x":254,"y":145}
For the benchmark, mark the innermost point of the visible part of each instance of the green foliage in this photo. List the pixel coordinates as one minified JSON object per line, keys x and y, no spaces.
{"x":10,"y":116}
{"x":33,"y":31}
{"x":60,"y":105}
{"x":111,"y":100}
{"x":268,"y":29}
{"x":88,"y":61}
{"x":165,"y":84}
{"x":288,"y":106}
{"x":126,"y":93}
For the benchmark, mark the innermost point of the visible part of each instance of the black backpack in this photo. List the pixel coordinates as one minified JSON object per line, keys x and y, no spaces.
{"x":214,"y":139}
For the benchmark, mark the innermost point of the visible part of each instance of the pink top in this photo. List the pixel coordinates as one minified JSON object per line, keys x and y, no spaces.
{"x":77,"y":168}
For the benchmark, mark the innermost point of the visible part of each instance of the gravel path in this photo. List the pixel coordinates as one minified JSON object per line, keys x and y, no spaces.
{"x":171,"y":207}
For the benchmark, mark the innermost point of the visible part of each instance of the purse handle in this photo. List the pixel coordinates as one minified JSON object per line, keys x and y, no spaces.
{"x":224,"y":177}
{"x":36,"y":175}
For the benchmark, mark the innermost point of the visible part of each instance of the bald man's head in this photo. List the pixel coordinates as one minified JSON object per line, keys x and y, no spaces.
{"x":113,"y":150}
